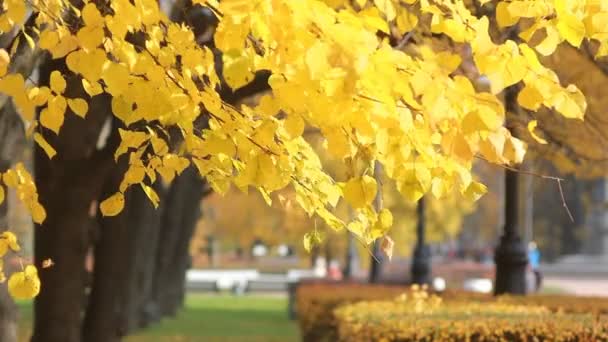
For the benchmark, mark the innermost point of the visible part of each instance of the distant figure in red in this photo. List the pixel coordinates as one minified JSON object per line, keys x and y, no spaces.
{"x":334,"y":271}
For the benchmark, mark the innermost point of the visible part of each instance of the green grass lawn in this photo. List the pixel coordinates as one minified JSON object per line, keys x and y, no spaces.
{"x":214,"y":318}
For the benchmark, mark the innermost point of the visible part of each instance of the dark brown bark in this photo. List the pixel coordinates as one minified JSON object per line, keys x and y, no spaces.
{"x":123,"y":255}
{"x":67,"y":186}
{"x":144,"y":221}
{"x":173,"y":258}
{"x":123,"y":297}
{"x":103,"y":310}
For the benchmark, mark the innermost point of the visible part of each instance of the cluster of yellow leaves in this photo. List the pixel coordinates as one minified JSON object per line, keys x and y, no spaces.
{"x":330,"y":71}
{"x":561,"y":20}
{"x":19,"y":179}
{"x":24,"y":284}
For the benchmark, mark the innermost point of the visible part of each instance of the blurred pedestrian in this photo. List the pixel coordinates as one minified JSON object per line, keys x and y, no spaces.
{"x":534,"y":262}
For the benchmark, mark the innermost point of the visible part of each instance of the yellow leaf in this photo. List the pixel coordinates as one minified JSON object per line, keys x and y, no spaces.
{"x":8,"y":240}
{"x":38,"y":213}
{"x":12,"y":84}
{"x":372,"y":19}
{"x":80,"y":107}
{"x":12,"y":240}
{"x":514,"y":150}
{"x":39,"y":95}
{"x":5,"y":60}
{"x":317,"y":60}
{"x":91,"y":15}
{"x":530,"y":98}
{"x":91,"y":88}
{"x":571,"y":28}
{"x":123,"y":109}
{"x":152,"y":195}
{"x":386,"y":7}
{"x":48,"y":39}
{"x":360,"y":191}
{"x":357,"y":228}
{"x":65,"y":45}
{"x":238,"y":69}
{"x":406,"y":21}
{"x":135,"y":174}
{"x":503,"y":16}
{"x":549,"y":44}
{"x":571,"y":103}
{"x":417,"y":180}
{"x":58,"y":83}
{"x":50,"y":151}
{"x":1,"y":194}
{"x":90,"y":37}
{"x":52,"y":120}
{"x":382,"y":225}
{"x":113,"y":205}
{"x":492,"y":148}
{"x":475,"y":190}
{"x":312,"y":239}
{"x":24,"y":285}
{"x":116,"y":77}
{"x":294,"y":124}
{"x":531,"y":127}
{"x":10,"y":178}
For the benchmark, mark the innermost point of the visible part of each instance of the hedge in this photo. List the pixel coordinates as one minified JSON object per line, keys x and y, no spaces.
{"x":401,"y":321}
{"x":316,"y":303}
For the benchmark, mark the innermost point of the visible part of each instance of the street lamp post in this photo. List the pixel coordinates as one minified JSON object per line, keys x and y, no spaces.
{"x":377,"y":259}
{"x":421,"y":261}
{"x":352,"y":258}
{"x":511,"y":255}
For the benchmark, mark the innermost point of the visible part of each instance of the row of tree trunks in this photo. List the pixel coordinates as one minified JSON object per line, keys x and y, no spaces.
{"x":140,"y":256}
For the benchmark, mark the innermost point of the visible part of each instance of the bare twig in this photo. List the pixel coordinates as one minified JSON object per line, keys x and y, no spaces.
{"x":558,"y":180}
{"x":561,"y":193}
{"x":406,"y":37}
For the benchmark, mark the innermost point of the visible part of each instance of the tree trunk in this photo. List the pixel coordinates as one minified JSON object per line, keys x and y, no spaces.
{"x":67,"y":186}
{"x":121,"y":280}
{"x":104,"y":310}
{"x":142,"y":250}
{"x":178,"y":224}
{"x":11,"y":137}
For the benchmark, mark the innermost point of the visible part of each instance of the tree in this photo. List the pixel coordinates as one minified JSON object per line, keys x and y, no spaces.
{"x":368,"y":75}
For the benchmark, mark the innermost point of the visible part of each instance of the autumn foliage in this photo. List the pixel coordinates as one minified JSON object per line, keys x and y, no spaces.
{"x":365,"y":74}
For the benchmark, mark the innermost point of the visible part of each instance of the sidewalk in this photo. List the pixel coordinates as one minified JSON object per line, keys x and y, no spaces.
{"x":578,"y":286}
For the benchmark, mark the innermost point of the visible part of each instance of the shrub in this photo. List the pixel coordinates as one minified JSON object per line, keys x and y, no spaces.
{"x":407,"y":320}
{"x":562,"y":303}
{"x":315,"y":303}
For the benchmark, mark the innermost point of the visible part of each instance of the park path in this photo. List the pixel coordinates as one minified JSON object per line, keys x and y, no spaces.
{"x":578,"y":286}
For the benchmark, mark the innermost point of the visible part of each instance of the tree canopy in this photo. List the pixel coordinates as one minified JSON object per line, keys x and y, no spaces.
{"x":365,"y":74}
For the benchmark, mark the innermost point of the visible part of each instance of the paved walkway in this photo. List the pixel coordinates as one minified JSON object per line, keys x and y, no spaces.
{"x":578,"y":286}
